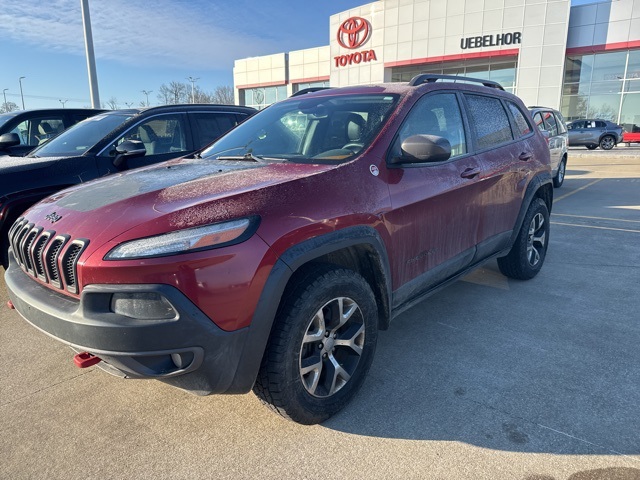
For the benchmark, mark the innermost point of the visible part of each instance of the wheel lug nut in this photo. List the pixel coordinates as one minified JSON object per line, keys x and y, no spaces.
{"x":324,"y":355}
{"x":326,"y":334}
{"x":320,"y":345}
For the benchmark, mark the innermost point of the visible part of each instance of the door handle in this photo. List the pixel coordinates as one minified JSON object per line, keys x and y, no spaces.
{"x":470,"y":172}
{"x":524,"y":156}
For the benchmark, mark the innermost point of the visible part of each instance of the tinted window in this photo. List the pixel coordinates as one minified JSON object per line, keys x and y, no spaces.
{"x":210,"y":126}
{"x":36,"y":131}
{"x":537,"y":118}
{"x":600,"y":124}
{"x":521,"y":121}
{"x":435,"y":115}
{"x":490,"y":121}
{"x":81,"y":137}
{"x":160,"y":134}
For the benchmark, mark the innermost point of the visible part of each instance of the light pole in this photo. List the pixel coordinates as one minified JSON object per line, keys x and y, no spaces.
{"x":21,"y":95}
{"x":4,"y":92}
{"x":91,"y":59}
{"x":193,"y":81}
{"x":147,"y":92}
{"x":63,"y":102}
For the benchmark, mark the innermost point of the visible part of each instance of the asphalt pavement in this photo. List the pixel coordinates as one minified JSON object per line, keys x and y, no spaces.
{"x":490,"y":378}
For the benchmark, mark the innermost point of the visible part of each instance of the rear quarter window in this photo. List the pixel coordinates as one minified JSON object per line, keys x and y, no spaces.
{"x":489,"y":120}
{"x":522,"y":124}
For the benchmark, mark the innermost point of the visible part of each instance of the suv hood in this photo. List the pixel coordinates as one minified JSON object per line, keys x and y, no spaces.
{"x":18,"y":173}
{"x":174,"y":195}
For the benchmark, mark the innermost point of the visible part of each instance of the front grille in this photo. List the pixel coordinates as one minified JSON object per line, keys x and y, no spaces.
{"x":50,"y":257}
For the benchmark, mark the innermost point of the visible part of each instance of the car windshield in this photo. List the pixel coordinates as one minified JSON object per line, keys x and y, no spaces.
{"x":81,"y":137}
{"x":320,"y":129}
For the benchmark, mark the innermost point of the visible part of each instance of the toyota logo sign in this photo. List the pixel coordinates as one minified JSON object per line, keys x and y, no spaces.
{"x":353,"y":32}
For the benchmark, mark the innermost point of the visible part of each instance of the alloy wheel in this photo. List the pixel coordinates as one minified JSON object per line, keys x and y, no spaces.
{"x":536,"y":239}
{"x":332,"y":347}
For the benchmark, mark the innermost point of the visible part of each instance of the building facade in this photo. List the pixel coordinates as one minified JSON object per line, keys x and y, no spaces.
{"x":583,"y":60}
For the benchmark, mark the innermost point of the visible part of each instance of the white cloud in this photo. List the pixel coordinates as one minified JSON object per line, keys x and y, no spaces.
{"x":182,"y":34}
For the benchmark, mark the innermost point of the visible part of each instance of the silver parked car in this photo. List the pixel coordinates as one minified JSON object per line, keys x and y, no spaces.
{"x":552,"y":122}
{"x":594,"y":133}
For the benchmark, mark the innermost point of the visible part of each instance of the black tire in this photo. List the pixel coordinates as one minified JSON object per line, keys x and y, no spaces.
{"x":527,"y":255}
{"x":558,"y":180}
{"x":315,"y":395}
{"x":607,"y":142}
{"x":592,"y":147}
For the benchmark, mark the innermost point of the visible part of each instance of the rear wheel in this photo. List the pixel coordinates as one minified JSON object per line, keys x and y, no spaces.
{"x":607,"y":142}
{"x":321,"y":346}
{"x":527,"y":255}
{"x":558,"y":180}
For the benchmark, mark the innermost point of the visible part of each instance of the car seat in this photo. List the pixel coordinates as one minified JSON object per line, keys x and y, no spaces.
{"x":45,"y":132}
{"x":148,"y":137}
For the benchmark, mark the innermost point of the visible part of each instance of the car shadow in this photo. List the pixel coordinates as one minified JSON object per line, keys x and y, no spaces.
{"x":489,"y":362}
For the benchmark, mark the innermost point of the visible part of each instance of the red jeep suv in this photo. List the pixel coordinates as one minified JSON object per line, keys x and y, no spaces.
{"x":270,"y":260}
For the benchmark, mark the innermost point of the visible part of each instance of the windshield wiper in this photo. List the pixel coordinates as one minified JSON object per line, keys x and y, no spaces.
{"x":247,"y":157}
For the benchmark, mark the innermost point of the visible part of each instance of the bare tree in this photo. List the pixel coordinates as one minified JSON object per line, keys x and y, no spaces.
{"x":223,"y":95}
{"x":174,"y":93}
{"x":8,"y":107}
{"x":113,"y":103}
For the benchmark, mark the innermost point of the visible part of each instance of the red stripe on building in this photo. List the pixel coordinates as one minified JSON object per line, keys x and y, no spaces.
{"x":452,"y":58}
{"x":606,"y":47}
{"x":266,"y":84}
{"x":311,"y":79}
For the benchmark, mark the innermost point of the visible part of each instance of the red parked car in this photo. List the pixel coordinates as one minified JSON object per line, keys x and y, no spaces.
{"x":271,"y":260}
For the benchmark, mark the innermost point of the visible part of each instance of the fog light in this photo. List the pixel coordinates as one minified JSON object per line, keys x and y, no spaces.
{"x":142,"y":306}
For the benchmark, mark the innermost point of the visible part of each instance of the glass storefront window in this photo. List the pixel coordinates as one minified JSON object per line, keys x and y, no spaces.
{"x":301,"y":86}
{"x":261,"y":97}
{"x":630,"y":112}
{"x":602,"y":85}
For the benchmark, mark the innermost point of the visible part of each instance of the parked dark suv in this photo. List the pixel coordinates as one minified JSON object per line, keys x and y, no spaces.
{"x":24,"y":130}
{"x":108,"y":143}
{"x":271,"y":260}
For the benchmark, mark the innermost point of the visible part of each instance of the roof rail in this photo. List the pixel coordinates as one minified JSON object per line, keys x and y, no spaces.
{"x":432,"y":78}
{"x":308,"y":90}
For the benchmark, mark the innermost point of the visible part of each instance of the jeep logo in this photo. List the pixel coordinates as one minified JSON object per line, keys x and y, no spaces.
{"x":53,"y":217}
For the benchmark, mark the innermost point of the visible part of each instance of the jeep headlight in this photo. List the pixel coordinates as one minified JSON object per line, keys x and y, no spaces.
{"x":187,"y":240}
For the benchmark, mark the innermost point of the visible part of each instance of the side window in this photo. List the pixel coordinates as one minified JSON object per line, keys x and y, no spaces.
{"x":36,"y":131}
{"x":537,"y":118}
{"x":521,"y":121}
{"x":210,"y":126}
{"x":560,"y":121}
{"x":438,"y":115}
{"x":490,"y":121}
{"x":600,"y":124}
{"x":162,"y":134}
{"x":550,"y":121}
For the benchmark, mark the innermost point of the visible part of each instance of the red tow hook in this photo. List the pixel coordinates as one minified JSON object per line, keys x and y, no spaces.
{"x":10,"y":305}
{"x":85,"y":359}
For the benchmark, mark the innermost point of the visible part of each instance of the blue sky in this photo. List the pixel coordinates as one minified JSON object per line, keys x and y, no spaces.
{"x":141,"y":45}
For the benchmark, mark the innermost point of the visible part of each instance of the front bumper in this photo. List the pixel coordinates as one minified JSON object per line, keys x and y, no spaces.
{"x":187,"y":351}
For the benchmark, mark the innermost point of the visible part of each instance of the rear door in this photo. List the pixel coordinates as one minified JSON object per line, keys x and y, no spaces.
{"x":434,"y":217}
{"x":505,"y":161}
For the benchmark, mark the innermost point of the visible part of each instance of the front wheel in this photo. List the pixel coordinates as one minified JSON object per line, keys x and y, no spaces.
{"x":607,"y":142}
{"x":558,"y":180}
{"x":321,"y":346}
{"x":527,"y":255}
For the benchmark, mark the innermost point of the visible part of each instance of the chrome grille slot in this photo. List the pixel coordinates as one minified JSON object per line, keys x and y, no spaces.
{"x":51,"y":260}
{"x":26,"y":248}
{"x":69,"y":264}
{"x":38,"y":259}
{"x":19,"y":237}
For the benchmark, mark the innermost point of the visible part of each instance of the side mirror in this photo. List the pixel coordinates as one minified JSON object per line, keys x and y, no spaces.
{"x":424,"y":148}
{"x":128,"y":149}
{"x":9,"y":140}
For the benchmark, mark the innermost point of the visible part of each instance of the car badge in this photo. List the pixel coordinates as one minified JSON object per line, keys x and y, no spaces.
{"x":374,"y":170}
{"x":53,"y":217}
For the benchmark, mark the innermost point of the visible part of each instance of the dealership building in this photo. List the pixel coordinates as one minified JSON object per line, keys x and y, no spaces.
{"x":583,"y":60}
